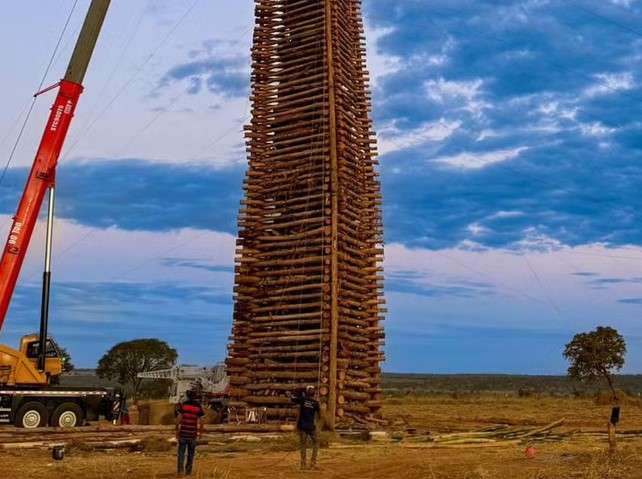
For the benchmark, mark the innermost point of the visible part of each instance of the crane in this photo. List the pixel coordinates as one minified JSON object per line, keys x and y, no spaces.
{"x":209,"y":381}
{"x":27,"y":396}
{"x":211,"y":384}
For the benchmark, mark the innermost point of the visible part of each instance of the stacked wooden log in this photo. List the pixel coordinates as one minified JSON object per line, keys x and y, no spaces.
{"x":308,"y":288}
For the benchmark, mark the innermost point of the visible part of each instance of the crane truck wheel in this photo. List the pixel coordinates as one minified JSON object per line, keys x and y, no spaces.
{"x":32,"y":415}
{"x":68,"y":414}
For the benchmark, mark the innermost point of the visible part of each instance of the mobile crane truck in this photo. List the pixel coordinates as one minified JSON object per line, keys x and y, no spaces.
{"x":30,"y":396}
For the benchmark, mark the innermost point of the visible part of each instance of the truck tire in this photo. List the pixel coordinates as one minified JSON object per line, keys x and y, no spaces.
{"x":67,"y":414}
{"x":32,"y":415}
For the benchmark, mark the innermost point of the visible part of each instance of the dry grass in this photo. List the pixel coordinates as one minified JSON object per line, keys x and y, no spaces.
{"x":155,"y":444}
{"x":269,"y":459}
{"x":605,"y":398}
{"x":77,"y":446}
{"x":443,"y":413}
{"x":572,"y":461}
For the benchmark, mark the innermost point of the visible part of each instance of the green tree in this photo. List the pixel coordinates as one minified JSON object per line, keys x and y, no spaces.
{"x":125,"y":360}
{"x":596,"y":355}
{"x":65,"y":358}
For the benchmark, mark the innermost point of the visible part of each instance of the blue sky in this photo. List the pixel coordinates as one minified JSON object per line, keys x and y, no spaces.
{"x":511,"y":159}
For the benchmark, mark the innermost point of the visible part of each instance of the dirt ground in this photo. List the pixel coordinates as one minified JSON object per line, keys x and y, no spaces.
{"x":576,"y":458}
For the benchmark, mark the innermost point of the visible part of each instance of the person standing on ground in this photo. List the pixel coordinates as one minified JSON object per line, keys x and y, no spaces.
{"x":189,"y":427}
{"x":306,"y":424}
{"x":115,"y":410}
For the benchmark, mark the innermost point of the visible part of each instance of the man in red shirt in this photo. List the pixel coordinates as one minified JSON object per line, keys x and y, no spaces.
{"x":189,"y":427}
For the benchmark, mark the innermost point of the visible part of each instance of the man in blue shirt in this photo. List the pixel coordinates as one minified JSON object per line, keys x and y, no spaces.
{"x":306,"y":424}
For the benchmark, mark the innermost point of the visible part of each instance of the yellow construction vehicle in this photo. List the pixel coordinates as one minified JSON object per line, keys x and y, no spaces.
{"x":20,"y":367}
{"x":30,"y":396}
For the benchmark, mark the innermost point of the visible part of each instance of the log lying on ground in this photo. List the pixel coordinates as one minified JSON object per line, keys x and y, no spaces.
{"x":31,"y":444}
{"x":498,"y":434}
{"x":112,"y":438}
{"x":66,"y":437}
{"x":461,"y":445}
{"x":15,"y":435}
{"x":85,"y":429}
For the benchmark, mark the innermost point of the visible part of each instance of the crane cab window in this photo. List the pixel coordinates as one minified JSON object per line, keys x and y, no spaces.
{"x":33,"y":350}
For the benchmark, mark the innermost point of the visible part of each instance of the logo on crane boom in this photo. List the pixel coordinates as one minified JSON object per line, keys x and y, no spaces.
{"x":60,"y":110}
{"x":13,"y":236}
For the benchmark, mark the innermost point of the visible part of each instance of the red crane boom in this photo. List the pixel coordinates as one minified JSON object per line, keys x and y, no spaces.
{"x":43,"y":172}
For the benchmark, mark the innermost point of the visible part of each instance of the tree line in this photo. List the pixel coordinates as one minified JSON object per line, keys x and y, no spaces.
{"x":593,"y":356}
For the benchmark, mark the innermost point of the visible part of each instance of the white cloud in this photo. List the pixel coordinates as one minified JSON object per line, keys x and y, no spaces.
{"x":111,"y":255}
{"x":131,"y":126}
{"x":441,"y":89}
{"x":392,"y":138}
{"x":556,"y":116}
{"x":554,"y":109}
{"x":609,"y":83}
{"x":534,"y":240}
{"x":595,"y":129}
{"x":623,"y":3}
{"x":475,"y":161}
{"x":506,"y":214}
{"x":466,"y":92}
{"x":379,"y":64}
{"x":476,"y":229}
{"x":484,"y":134}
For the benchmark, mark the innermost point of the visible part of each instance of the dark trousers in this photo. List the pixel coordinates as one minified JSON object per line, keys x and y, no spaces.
{"x":303,"y":436}
{"x":188,"y":445}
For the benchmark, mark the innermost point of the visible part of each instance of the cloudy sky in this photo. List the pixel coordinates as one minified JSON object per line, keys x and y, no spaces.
{"x":511,"y":164}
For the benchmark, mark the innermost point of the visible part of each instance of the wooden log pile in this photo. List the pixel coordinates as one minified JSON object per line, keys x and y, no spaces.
{"x":308,"y":286}
{"x":502,"y":434}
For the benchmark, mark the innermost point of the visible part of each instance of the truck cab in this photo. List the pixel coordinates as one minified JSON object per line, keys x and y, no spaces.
{"x":54,"y":362}
{"x":20,"y":367}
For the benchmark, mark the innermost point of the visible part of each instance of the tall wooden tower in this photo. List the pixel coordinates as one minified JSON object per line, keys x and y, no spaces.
{"x":308,"y":287}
